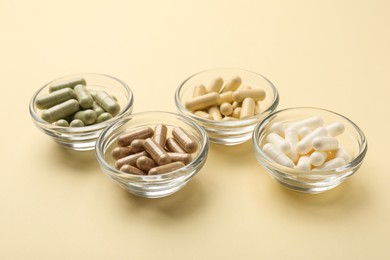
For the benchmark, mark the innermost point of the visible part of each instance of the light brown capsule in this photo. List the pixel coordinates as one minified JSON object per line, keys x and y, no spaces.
{"x":145,"y":163}
{"x":137,"y":145}
{"x":215,"y":113}
{"x":185,"y":158}
{"x":185,"y":140}
{"x":199,"y":90}
{"x":160,"y":134}
{"x":232,"y":85}
{"x":248,"y":108}
{"x":131,"y":169}
{"x":140,"y":133}
{"x":201,"y":102}
{"x":158,"y":154}
{"x":255,"y":94}
{"x":166,"y":168}
{"x":215,"y":85}
{"x":226,"y":97}
{"x":130,"y":159}
{"x":120,"y":152}
{"x":173,"y":146}
{"x":226,"y":109}
{"x":236,"y":112}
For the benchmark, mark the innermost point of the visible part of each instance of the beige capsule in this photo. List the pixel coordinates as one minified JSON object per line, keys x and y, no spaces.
{"x":137,"y":145}
{"x":203,"y":114}
{"x":226,"y":97}
{"x":160,"y":134}
{"x":248,"y":108}
{"x":130,"y":159}
{"x":202,"y":102}
{"x":173,"y":146}
{"x":145,"y":163}
{"x":166,"y":168}
{"x":255,"y":94}
{"x":185,"y":140}
{"x":236,"y":112}
{"x":185,"y":158}
{"x":140,"y":133}
{"x":232,"y":84}
{"x":131,"y":169}
{"x":158,"y":154}
{"x":199,"y":90}
{"x":226,"y":109}
{"x":215,"y":113}
{"x":120,"y":152}
{"x":215,"y":85}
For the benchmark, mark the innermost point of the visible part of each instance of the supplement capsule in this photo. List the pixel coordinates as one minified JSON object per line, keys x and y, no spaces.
{"x":304,"y":145}
{"x":166,"y":168}
{"x":312,"y":122}
{"x":131,"y":169}
{"x":304,"y":131}
{"x":185,"y":158}
{"x":236,"y":104}
{"x":185,"y":140}
{"x":318,"y":158}
{"x":158,"y":154}
{"x":98,"y":109}
{"x":255,"y":94}
{"x":54,"y":98}
{"x":120,"y":152}
{"x":226,"y":109}
{"x":334,"y":163}
{"x":236,"y":112}
{"x":215,"y":85}
{"x":160,"y":134}
{"x":62,"y":122}
{"x":103,"y":117}
{"x":226,"y":97}
{"x":278,"y":128}
{"x":144,"y":163}
{"x":130,"y":159}
{"x":173,"y":146}
{"x":60,"y":111}
{"x":335,"y":129}
{"x":291,"y":137}
{"x":277,"y":140}
{"x":325,"y":143}
{"x":343,"y":154}
{"x":107,"y":102}
{"x":137,"y":145}
{"x":76,"y":123}
{"x":303,"y":163}
{"x":277,"y":155}
{"x":232,"y":85}
{"x":140,"y":133}
{"x":83,"y":96}
{"x":66,"y":84}
{"x":87,"y":116}
{"x":248,"y":108}
{"x":203,"y":114}
{"x":202,"y":102}
{"x":215,"y":113}
{"x":199,"y":90}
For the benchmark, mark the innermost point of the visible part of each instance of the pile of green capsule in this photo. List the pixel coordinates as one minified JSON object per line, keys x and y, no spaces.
{"x":70,"y":103}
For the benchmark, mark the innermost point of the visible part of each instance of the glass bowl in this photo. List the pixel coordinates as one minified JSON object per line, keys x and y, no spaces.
{"x":83,"y":138}
{"x":151,"y":186}
{"x":228,"y":132}
{"x":311,"y":181}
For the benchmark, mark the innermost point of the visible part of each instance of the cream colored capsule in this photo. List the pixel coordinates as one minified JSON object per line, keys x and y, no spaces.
{"x":248,"y":108}
{"x":173,"y":146}
{"x":305,"y":144}
{"x":215,"y":113}
{"x":226,"y":97}
{"x":277,"y":155}
{"x":236,"y":112}
{"x":131,"y":169}
{"x":203,"y":114}
{"x":166,"y":168}
{"x":140,"y":133}
{"x":215,"y":85}
{"x":144,"y":163}
{"x":130,"y":159}
{"x":185,"y":140}
{"x":158,"y":154}
{"x":232,"y":84}
{"x":229,"y":118}
{"x":185,"y":158}
{"x":137,"y":145}
{"x":199,"y":90}
{"x":257,"y":108}
{"x":202,"y":102}
{"x":160,"y":134}
{"x":120,"y":152}
{"x":226,"y":109}
{"x":255,"y":94}
{"x":325,"y":143}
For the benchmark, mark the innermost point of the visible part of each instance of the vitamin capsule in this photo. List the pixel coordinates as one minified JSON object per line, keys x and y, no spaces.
{"x":185,"y":158}
{"x":236,"y":104}
{"x":83,"y":96}
{"x":226,"y":109}
{"x":54,"y":98}
{"x":76,"y":123}
{"x":232,"y":85}
{"x":318,"y":158}
{"x":140,"y":133}
{"x":87,"y":116}
{"x":277,"y":155}
{"x":236,"y":112}
{"x":166,"y":168}
{"x":60,"y":111}
{"x":278,"y":128}
{"x":203,"y":114}
{"x":304,"y":131}
{"x":226,"y":97}
{"x":137,"y":145}
{"x":312,"y":122}
{"x":291,"y":137}
{"x":331,"y":164}
{"x":103,"y":117}
{"x":144,"y":163}
{"x":325,"y":143}
{"x":131,"y":169}
{"x":160,"y":134}
{"x":106,"y":102}
{"x":303,"y":163}
{"x":199,"y":90}
{"x":335,"y":129}
{"x":62,"y":122}
{"x":215,"y":85}
{"x":245,"y":87}
{"x":173,"y":146}
{"x":343,"y":154}
{"x":66,"y":84}
{"x":215,"y":113}
{"x":120,"y":152}
{"x":130,"y":159}
{"x":98,"y":109}
{"x":202,"y":102}
{"x":158,"y":154}
{"x":277,"y":140}
{"x":255,"y":94}
{"x":185,"y":140}
{"x":304,"y":145}
{"x":248,"y":108}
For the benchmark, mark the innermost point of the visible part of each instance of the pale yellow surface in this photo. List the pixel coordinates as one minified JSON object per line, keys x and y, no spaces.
{"x":57,"y":204}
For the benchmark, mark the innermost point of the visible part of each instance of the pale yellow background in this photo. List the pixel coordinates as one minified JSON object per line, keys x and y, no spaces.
{"x":57,"y":204}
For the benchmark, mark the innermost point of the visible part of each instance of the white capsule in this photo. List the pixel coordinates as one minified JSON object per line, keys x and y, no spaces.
{"x":304,"y":146}
{"x":291,"y":137}
{"x":278,"y":156}
{"x":304,"y":131}
{"x":334,"y":163}
{"x":278,"y":128}
{"x":335,"y":128}
{"x":279,"y":142}
{"x":318,"y":158}
{"x":342,"y":153}
{"x":325,"y":143}
{"x":312,"y":122}
{"x":303,"y":163}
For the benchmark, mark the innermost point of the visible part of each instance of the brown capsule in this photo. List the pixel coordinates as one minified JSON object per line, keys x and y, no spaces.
{"x":185,"y":158}
{"x":158,"y":154}
{"x":173,"y":146}
{"x":131,"y":169}
{"x":165,"y":168}
{"x":130,"y":159}
{"x":145,"y":163}
{"x":120,"y":152}
{"x":137,"y":145}
{"x":185,"y":140}
{"x":140,"y":133}
{"x":160,"y":134}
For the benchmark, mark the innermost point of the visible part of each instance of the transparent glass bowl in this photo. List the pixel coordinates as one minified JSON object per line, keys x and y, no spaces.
{"x":151,"y":186}
{"x":353,"y":141}
{"x":228,"y":132}
{"x":83,"y":138}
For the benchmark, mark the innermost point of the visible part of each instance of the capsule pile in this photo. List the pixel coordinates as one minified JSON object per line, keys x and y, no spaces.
{"x":71,"y":103}
{"x":147,"y":151}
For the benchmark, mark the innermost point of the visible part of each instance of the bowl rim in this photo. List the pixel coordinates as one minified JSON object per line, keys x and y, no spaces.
{"x":233,"y":123}
{"x":84,"y":129}
{"x":356,"y":161}
{"x":201,"y":156}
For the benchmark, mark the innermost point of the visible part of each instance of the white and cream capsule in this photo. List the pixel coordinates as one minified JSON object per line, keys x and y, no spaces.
{"x":291,"y":137}
{"x":215,"y":85}
{"x":325,"y":143}
{"x":278,"y":128}
{"x":335,"y":129}
{"x":331,"y":164}
{"x":277,"y":155}
{"x":232,"y":84}
{"x":203,"y":101}
{"x":318,"y":158}
{"x":279,"y":142}
{"x":303,"y":163}
{"x":304,"y":145}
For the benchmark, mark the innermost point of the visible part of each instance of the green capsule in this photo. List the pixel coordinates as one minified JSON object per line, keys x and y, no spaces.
{"x":103,"y":117}
{"x":54,"y":98}
{"x":107,"y":102}
{"x":60,"y":111}
{"x":98,"y":109}
{"x":76,"y":123}
{"x":87,"y":116}
{"x":61,"y":122}
{"x":83,"y":96}
{"x":71,"y":83}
